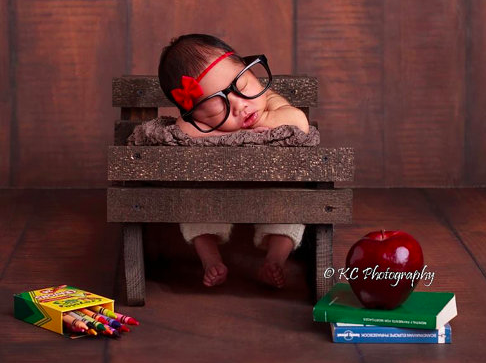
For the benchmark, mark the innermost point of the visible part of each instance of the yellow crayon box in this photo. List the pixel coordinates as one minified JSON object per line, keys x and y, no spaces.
{"x":45,"y":307}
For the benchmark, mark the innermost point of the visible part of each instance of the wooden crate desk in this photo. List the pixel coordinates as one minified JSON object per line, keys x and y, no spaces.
{"x":262,"y":184}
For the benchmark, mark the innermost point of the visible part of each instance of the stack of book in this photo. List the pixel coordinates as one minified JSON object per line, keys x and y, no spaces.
{"x":423,"y":318}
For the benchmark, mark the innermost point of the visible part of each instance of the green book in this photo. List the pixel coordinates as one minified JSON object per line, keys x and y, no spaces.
{"x":422,"y":310}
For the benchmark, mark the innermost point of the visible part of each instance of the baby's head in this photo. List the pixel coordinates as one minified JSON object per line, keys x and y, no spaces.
{"x":197,"y":66}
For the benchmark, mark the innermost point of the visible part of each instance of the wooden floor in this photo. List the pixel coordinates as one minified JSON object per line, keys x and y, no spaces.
{"x":50,"y":237}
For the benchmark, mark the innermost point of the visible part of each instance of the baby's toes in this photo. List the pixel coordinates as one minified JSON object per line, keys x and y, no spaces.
{"x":212,"y":272}
{"x":220,"y":269}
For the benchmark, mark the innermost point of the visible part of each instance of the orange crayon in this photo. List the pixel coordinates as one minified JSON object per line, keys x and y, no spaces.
{"x":92,"y":332}
{"x":94,"y":315}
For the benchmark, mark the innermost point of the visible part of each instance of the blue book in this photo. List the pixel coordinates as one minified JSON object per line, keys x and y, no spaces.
{"x":357,"y":333}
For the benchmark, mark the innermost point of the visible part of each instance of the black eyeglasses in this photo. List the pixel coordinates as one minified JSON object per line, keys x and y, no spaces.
{"x":250,"y":83}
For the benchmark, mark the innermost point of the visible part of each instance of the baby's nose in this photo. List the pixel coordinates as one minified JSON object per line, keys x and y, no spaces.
{"x":237,"y":103}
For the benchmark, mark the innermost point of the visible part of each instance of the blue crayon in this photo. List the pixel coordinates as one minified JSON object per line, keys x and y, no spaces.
{"x":112,"y":322}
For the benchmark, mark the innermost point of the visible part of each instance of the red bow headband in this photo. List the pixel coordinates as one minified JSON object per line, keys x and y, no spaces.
{"x":191,"y":89}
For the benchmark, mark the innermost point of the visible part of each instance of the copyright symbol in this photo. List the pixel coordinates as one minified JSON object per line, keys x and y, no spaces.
{"x":329,"y":272}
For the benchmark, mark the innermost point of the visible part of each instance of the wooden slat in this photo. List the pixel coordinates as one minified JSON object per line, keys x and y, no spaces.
{"x":154,"y":23}
{"x":6,"y":92}
{"x":173,"y":205}
{"x":134,"y":264}
{"x":475,"y":127}
{"x":341,"y":43}
{"x":144,"y":91}
{"x":424,"y":93}
{"x":65,"y":60}
{"x":138,"y":113}
{"x":16,"y":209}
{"x":262,"y":163}
{"x":464,"y":211}
{"x":323,"y":258}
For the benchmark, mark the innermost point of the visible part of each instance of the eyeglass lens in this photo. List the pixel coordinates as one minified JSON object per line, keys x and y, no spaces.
{"x":212,"y":112}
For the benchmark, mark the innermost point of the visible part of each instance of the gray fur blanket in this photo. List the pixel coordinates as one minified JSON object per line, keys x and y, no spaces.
{"x":159,"y":131}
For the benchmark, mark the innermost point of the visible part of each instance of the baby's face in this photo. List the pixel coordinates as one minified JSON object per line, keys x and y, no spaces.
{"x":244,"y":113}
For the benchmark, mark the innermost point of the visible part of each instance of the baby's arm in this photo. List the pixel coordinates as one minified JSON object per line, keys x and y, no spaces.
{"x":279,"y":112}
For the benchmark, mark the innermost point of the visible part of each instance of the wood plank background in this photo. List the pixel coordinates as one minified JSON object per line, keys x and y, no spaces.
{"x":400,"y":81}
{"x":241,"y":320}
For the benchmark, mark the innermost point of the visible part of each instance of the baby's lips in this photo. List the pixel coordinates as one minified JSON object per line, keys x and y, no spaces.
{"x":250,"y":120}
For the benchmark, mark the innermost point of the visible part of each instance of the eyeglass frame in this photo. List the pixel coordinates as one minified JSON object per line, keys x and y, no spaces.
{"x":253,"y":59}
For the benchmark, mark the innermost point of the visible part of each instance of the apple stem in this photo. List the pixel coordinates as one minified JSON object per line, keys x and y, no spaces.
{"x":382,"y":234}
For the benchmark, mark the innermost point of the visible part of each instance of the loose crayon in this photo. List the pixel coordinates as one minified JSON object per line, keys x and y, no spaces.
{"x":97,"y":324}
{"x":126,"y":319}
{"x":75,"y":322}
{"x":112,"y":322}
{"x":88,"y":322}
{"x":102,"y":310}
{"x":95,"y":316}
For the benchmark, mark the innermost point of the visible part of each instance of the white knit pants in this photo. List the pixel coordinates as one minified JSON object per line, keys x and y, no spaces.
{"x":223,"y":230}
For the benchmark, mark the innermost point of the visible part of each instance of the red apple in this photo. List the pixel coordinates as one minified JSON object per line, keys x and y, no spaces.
{"x":377,"y":253}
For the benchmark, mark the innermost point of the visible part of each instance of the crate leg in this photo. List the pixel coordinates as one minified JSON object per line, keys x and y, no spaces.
{"x":323,"y":257}
{"x":134,"y":267}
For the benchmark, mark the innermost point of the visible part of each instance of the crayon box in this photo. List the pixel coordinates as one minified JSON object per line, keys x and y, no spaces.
{"x":45,"y":307}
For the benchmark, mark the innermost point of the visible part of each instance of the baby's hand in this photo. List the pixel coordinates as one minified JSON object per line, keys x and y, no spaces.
{"x":260,"y":129}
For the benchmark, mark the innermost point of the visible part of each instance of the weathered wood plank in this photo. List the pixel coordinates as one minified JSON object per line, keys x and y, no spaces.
{"x":138,"y":113}
{"x":464,"y":211}
{"x":66,"y":56}
{"x":341,"y":43}
{"x":323,"y":258}
{"x":424,"y":93}
{"x":6,"y":91}
{"x":16,"y":209}
{"x":153,"y":23}
{"x":475,"y":127}
{"x":173,"y":205}
{"x":144,"y":91}
{"x":175,"y":163}
{"x":134,"y":264}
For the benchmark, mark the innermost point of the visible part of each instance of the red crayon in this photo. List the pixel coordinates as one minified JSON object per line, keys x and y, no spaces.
{"x":123,"y":329}
{"x":107,"y":331}
{"x":126,"y":319}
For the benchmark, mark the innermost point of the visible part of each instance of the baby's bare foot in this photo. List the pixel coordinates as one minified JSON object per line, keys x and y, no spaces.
{"x":272,"y":274}
{"x":215,"y":274}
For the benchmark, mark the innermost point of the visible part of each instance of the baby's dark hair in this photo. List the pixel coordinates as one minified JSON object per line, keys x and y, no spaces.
{"x":188,"y":55}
